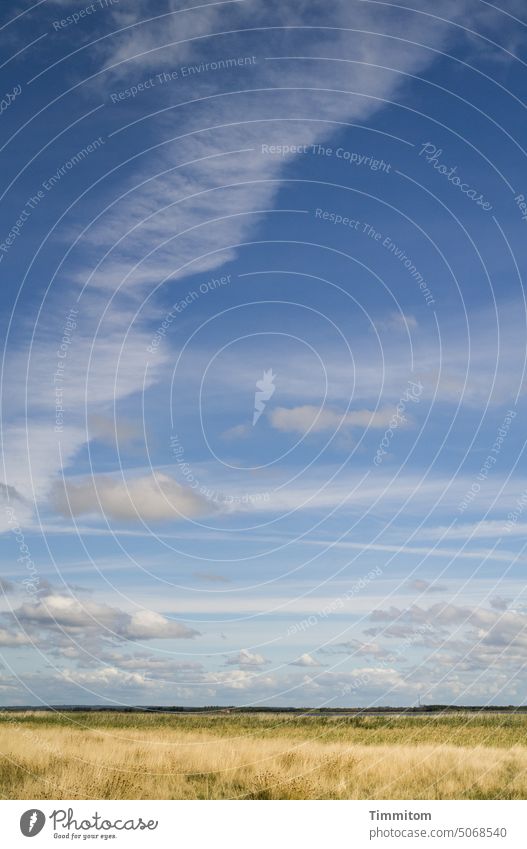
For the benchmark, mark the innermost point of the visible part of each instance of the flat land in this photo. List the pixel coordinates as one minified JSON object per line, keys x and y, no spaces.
{"x":262,"y":756}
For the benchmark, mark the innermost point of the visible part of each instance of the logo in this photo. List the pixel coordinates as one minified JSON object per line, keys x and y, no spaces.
{"x":265,"y":389}
{"x":32,"y":822}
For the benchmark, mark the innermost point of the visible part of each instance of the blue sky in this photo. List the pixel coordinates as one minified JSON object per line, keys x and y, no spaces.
{"x":263,"y":394}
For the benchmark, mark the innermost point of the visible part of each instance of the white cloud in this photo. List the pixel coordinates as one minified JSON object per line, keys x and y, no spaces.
{"x":156,"y":667}
{"x":240,"y":431}
{"x":111,"y":430}
{"x":456,"y":368}
{"x":149,"y":625}
{"x":98,"y":371}
{"x":499,"y":603}
{"x":317,"y":419}
{"x":305,"y":660}
{"x":156,"y":497}
{"x":369,"y":679}
{"x":169,"y":220}
{"x":354,"y":647}
{"x":492,"y":629}
{"x":240,"y":679}
{"x":96,"y":619}
{"x":245,"y":658}
{"x":397,"y":321}
{"x":106,"y":676}
{"x":10,"y":493}
{"x":174,"y":219}
{"x":10,"y":640}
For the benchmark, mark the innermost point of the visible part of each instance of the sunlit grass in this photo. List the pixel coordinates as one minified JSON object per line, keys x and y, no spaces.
{"x":261,"y":756}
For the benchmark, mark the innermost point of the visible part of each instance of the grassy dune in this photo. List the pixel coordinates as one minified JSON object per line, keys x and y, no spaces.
{"x":262,"y":756}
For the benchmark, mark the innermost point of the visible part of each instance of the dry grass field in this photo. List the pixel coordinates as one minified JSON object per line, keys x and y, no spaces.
{"x":261,"y":756}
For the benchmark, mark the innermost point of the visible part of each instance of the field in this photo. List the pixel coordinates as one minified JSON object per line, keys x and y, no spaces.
{"x":262,"y":756}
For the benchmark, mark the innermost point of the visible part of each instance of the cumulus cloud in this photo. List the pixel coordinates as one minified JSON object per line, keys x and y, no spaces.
{"x":305,"y":660}
{"x":239,"y":679}
{"x":352,"y":647}
{"x":8,"y":639}
{"x":155,"y":497}
{"x":91,"y":618}
{"x":318,"y":419}
{"x":106,"y":676}
{"x":149,"y":625}
{"x":246,"y":658}
{"x":370,"y":679}
{"x":465,"y":636}
{"x":164,"y":676}
{"x":155,"y":667}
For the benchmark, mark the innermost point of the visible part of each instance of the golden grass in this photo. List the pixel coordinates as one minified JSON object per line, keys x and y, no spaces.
{"x":118,"y":756}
